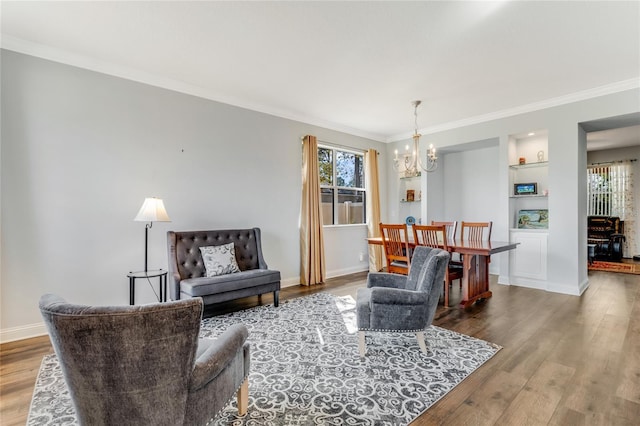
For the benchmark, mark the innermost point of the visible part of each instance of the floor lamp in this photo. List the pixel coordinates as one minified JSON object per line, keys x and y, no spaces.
{"x":152,"y":210}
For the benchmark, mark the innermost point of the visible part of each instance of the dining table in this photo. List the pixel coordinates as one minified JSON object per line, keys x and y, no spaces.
{"x":476,"y":256}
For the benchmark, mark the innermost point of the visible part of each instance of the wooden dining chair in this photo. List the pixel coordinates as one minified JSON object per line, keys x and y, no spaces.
{"x":436,"y":236}
{"x":452,"y":227}
{"x":395,"y":240}
{"x":475,"y":231}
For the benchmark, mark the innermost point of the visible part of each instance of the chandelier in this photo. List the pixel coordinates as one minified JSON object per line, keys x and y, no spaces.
{"x":410,"y":163}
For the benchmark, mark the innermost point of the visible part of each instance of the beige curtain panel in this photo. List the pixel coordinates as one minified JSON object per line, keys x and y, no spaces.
{"x":373,"y":207}
{"x":312,"y":262}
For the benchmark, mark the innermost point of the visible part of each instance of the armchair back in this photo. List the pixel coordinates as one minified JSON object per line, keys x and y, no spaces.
{"x":125,"y":364}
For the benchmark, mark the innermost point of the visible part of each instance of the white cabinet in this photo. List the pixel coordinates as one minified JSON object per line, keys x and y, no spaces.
{"x":528,"y":263}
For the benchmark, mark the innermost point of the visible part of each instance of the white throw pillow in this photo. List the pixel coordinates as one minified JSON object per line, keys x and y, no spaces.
{"x":219,"y":260}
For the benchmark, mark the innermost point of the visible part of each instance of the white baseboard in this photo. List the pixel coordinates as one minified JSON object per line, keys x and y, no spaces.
{"x":289,"y":282}
{"x":566,"y":289}
{"x":528,"y":282}
{"x":294,"y":281}
{"x":347,"y":271}
{"x":504,"y":280}
{"x":584,"y":285}
{"x":22,"y":332}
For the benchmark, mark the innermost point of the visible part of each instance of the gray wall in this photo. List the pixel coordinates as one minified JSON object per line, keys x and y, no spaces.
{"x":80,"y":152}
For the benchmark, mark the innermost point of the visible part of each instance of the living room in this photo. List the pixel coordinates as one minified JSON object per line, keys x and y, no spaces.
{"x":84,"y":142}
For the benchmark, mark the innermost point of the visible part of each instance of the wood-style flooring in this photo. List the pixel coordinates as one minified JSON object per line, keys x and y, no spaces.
{"x":565,"y":360}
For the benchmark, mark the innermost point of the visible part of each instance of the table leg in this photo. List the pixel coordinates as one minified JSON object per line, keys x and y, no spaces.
{"x":132,"y":291}
{"x":163,"y":281}
{"x":475,"y":279}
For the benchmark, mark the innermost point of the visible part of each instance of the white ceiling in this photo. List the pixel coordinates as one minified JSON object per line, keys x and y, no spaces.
{"x":350,"y":66}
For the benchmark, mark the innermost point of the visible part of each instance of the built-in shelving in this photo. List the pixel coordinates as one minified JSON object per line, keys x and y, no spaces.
{"x":407,"y":207}
{"x":527,"y":165}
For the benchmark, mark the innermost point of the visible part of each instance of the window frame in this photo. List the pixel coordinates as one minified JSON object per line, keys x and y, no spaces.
{"x":336,"y":188}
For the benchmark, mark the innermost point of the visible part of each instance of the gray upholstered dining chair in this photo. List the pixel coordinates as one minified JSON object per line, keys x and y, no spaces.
{"x":393,"y":302}
{"x":144,"y":365}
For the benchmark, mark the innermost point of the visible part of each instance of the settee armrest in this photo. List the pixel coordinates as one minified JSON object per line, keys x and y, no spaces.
{"x":384,"y":279}
{"x":218,"y":356}
{"x":174,"y":285}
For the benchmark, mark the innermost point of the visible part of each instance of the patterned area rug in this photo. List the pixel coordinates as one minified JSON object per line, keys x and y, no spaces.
{"x":305,"y":369}
{"x":626,"y":268}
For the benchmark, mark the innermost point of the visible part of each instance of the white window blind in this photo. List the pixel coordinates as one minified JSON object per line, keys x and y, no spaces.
{"x":608,"y":190}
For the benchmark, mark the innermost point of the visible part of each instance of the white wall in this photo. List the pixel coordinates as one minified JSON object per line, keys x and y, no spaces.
{"x":81,"y":150}
{"x":632,"y":152}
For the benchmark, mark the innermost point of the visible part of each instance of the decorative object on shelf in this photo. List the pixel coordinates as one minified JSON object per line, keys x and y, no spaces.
{"x":152,"y":210}
{"x":540,"y":156}
{"x":409,"y":162}
{"x":411,"y":220}
{"x":530,"y":188}
{"x":522,"y":161}
{"x":411,"y":195}
{"x":533,"y":219}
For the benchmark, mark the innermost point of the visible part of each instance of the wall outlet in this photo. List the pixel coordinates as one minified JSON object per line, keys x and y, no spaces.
{"x":361,"y":257}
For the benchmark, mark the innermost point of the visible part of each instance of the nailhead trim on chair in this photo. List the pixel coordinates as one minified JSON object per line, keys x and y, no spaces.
{"x":226,"y":403}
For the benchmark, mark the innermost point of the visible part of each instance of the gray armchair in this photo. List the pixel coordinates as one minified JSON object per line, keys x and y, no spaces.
{"x":144,"y":365}
{"x":393,"y":302}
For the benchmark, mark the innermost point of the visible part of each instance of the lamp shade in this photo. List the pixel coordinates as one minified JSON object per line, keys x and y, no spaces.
{"x":152,"y":210}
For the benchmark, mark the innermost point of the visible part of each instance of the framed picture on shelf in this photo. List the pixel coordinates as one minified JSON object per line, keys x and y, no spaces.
{"x":533,"y":219}
{"x":530,"y":188}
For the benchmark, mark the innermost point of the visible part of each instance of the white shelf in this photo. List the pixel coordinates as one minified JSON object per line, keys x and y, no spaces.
{"x":529,"y":165}
{"x":529,"y":196}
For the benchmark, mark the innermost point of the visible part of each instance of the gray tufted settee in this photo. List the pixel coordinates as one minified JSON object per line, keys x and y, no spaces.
{"x":187,"y":274}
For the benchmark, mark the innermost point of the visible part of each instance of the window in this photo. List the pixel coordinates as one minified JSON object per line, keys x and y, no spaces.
{"x":342,"y":191}
{"x":609,"y":190}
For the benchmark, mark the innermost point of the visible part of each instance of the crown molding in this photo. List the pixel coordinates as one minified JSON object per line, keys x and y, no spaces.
{"x":621,"y":86}
{"x":85,"y":62}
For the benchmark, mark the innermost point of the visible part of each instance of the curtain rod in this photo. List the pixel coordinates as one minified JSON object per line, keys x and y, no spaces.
{"x":612,"y":162}
{"x":335,"y":145}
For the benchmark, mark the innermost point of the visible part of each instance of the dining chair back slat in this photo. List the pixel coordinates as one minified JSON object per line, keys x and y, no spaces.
{"x":430,"y":236}
{"x":451,"y":226}
{"x":395,"y":240}
{"x":475,"y":231}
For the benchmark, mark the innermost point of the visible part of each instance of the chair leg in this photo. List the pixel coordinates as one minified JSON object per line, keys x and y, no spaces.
{"x":423,"y":346}
{"x":361,"y":344}
{"x":243,"y":397}
{"x":447,"y":284}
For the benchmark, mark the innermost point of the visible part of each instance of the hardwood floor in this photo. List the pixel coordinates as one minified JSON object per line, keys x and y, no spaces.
{"x":565,"y":360}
